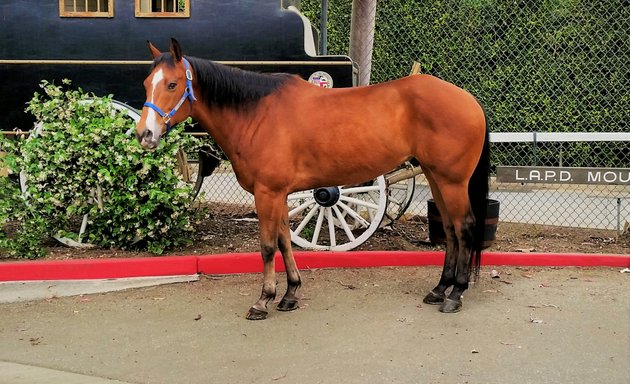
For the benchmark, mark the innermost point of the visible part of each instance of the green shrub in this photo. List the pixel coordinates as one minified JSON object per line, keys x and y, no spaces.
{"x":20,"y":226}
{"x":535,"y":65}
{"x":82,"y":162}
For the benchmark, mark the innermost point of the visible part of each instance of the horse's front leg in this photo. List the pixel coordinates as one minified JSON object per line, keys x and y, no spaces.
{"x":259,"y":311}
{"x":289,"y":301}
{"x":269,"y":207}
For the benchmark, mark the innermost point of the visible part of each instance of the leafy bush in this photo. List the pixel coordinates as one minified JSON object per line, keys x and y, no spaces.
{"x":81,"y":162}
{"x":20,"y":226}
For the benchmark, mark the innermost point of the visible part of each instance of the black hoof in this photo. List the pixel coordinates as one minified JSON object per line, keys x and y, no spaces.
{"x":256,"y":314}
{"x":433,"y":298}
{"x":451,"y":306}
{"x":287,"y":305}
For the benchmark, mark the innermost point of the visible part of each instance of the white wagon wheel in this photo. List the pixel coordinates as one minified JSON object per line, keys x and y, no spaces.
{"x":337,"y":218}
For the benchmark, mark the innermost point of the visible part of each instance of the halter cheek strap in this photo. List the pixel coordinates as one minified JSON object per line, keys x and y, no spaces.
{"x":188,"y":94}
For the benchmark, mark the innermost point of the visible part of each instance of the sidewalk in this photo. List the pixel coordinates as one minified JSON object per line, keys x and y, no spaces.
{"x":353,"y":326}
{"x":14,"y":291}
{"x":13,"y":373}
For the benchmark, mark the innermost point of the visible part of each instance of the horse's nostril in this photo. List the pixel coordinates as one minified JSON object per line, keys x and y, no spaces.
{"x":144,"y":135}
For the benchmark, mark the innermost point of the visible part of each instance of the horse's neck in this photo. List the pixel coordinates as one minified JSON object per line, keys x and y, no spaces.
{"x":225,"y":125}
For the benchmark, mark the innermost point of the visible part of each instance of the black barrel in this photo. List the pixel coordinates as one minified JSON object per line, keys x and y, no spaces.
{"x":436,"y":229}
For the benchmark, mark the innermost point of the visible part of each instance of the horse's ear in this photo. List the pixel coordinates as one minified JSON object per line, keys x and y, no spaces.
{"x":176,"y":50}
{"x":154,"y":51}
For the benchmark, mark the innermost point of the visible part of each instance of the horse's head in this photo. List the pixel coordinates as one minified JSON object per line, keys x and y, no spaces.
{"x":168,"y":87}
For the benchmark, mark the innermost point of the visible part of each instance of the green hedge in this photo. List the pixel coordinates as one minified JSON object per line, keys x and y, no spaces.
{"x":81,"y":162}
{"x":554,"y":65}
{"x":535,"y":65}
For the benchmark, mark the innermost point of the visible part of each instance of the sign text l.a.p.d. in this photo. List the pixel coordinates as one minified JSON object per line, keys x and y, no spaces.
{"x":564,"y":175}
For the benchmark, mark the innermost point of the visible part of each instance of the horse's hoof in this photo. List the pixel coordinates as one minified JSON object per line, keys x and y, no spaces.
{"x":286,"y":305}
{"x":433,"y":298}
{"x":451,"y":306}
{"x":256,"y":314}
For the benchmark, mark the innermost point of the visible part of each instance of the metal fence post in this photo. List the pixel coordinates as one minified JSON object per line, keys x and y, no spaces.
{"x":534,"y":144}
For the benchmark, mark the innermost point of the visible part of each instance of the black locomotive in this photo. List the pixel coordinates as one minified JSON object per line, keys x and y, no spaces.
{"x":101,"y":44}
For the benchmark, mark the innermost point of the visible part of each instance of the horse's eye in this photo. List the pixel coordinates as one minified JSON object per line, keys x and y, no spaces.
{"x":172,"y":86}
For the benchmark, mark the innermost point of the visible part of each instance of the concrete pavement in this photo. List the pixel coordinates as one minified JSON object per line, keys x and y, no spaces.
{"x":13,"y":373}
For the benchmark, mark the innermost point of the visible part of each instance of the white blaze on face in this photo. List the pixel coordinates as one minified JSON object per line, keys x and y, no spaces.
{"x":152,"y":118}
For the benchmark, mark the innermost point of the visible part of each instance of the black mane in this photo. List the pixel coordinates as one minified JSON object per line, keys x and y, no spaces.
{"x":225,"y":86}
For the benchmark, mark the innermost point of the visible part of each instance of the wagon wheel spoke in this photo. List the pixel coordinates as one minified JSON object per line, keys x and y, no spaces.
{"x":343,"y":223}
{"x":305,"y":221}
{"x":359,"y":202}
{"x":353,"y":214}
{"x":361,"y":189}
{"x":374,"y":197}
{"x":318,"y":225}
{"x":331,"y":227}
{"x":301,"y":196}
{"x":300,"y":208}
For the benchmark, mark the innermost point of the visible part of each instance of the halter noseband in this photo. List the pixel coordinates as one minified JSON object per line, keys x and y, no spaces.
{"x":188,"y":94}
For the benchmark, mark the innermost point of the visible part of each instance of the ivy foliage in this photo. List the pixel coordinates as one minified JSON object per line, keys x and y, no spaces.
{"x":82,"y":161}
{"x":535,"y":65}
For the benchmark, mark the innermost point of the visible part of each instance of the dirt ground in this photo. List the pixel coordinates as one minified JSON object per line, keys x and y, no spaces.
{"x":529,"y":325}
{"x":223,"y":230}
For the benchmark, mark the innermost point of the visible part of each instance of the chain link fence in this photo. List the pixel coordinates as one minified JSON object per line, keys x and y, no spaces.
{"x":536,"y":66}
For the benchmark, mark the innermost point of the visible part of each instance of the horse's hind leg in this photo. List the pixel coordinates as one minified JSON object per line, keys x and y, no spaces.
{"x":289,"y":301}
{"x":459,"y":225}
{"x":437,"y":295}
{"x":458,"y":208}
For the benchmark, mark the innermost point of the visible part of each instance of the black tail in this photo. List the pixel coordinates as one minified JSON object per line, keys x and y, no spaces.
{"x":478,"y":193}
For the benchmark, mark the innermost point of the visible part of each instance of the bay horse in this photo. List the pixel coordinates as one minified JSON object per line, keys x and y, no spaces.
{"x":265,"y":125}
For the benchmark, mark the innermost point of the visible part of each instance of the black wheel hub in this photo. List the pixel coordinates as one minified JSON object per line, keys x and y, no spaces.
{"x":326,"y":197}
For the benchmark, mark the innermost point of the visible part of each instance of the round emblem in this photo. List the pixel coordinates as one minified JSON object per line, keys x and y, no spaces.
{"x":321,"y":79}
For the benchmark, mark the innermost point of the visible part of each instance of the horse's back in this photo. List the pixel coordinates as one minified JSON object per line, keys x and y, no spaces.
{"x":414,"y":96}
{"x":337,"y":136}
{"x":398,"y":112}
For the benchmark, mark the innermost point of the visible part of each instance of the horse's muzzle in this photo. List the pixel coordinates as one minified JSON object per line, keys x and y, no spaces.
{"x":146,"y":139}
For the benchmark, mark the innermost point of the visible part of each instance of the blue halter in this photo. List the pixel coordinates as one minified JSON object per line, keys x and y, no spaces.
{"x":188,"y":94}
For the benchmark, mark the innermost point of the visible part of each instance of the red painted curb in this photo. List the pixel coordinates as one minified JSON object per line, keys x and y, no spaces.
{"x":252,"y":263}
{"x":556,"y":259}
